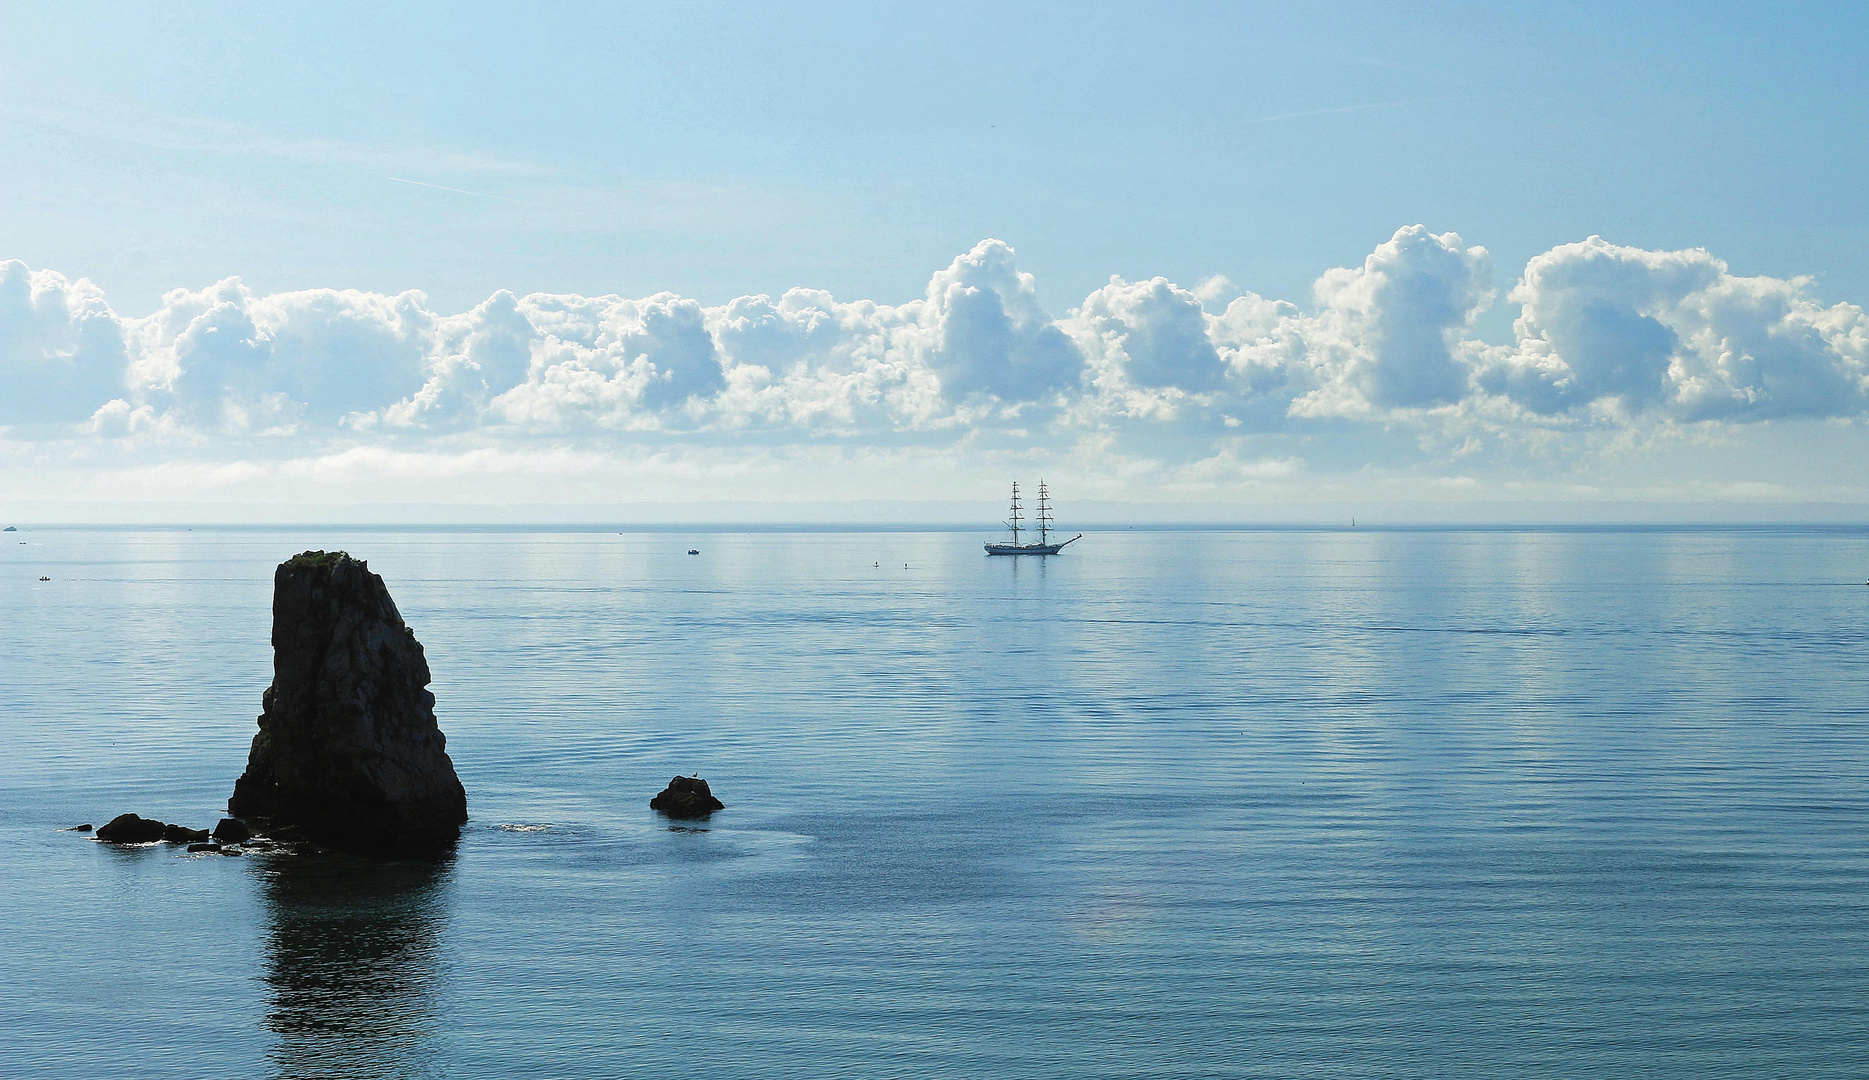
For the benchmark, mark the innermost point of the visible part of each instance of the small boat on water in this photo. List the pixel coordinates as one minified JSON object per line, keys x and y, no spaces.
{"x":1044,"y":545}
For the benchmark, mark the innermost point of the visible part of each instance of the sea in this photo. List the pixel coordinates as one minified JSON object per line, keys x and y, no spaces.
{"x":1373,"y":802}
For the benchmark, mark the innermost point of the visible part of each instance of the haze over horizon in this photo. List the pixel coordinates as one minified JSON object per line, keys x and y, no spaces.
{"x":1208,"y":264}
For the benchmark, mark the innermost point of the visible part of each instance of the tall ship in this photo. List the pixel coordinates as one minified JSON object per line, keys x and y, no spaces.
{"x":1044,"y":545}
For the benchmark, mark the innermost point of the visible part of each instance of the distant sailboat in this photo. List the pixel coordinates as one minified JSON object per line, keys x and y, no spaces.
{"x":1044,"y":545}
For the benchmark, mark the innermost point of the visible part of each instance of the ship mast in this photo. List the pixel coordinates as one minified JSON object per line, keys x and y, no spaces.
{"x":1044,"y":512}
{"x":1014,"y":523}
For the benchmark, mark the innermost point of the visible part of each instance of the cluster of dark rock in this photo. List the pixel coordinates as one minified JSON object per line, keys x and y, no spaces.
{"x":349,"y":754}
{"x":230,"y":837}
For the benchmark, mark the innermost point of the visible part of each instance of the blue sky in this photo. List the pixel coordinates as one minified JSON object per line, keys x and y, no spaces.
{"x":1416,"y":188}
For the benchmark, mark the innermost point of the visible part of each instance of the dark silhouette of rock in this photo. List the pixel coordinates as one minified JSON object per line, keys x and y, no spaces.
{"x":130,"y":829}
{"x":686,"y":797}
{"x":86,"y":827}
{"x":232,"y":831}
{"x":348,"y":753}
{"x":181,"y":834}
{"x":9,"y":528}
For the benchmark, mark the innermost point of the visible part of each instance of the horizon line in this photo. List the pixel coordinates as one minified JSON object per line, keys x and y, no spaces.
{"x":23,"y":527}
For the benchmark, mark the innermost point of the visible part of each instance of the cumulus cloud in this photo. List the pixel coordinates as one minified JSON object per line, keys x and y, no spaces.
{"x":226,"y":359}
{"x":1150,"y":345}
{"x":1676,"y":332}
{"x":987,"y":335}
{"x":61,"y":348}
{"x":1390,"y":334}
{"x":1605,"y":336}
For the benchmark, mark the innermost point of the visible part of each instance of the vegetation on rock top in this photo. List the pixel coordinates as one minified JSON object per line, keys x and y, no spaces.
{"x":316,"y":559}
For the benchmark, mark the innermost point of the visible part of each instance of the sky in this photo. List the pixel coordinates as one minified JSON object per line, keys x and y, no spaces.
{"x":1187,"y":262}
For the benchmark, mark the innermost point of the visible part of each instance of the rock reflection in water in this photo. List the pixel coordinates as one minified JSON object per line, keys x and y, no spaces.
{"x":352,"y":962}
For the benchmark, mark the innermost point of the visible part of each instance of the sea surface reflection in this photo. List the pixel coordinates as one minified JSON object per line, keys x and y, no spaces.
{"x":353,"y":959}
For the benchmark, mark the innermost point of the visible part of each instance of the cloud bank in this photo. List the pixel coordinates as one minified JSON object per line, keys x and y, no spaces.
{"x":1609,"y":343}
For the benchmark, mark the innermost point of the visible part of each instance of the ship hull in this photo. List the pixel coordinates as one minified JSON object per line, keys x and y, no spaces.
{"x":1023,"y":549}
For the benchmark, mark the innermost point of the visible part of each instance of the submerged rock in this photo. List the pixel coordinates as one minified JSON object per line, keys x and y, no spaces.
{"x":130,"y":829}
{"x":686,"y":797}
{"x":86,"y":827}
{"x":181,"y":834}
{"x":213,"y":849}
{"x":348,"y":753}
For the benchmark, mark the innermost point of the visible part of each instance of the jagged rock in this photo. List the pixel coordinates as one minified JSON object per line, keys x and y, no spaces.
{"x":348,"y":750}
{"x":130,"y":829}
{"x":232,"y":831}
{"x":686,"y":797}
{"x":181,"y":834}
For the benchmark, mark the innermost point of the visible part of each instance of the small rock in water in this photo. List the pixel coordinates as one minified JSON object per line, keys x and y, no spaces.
{"x":194,"y":848}
{"x":686,"y":797}
{"x":182,"y":834}
{"x":232,"y":831}
{"x":86,"y":827}
{"x":130,"y":829}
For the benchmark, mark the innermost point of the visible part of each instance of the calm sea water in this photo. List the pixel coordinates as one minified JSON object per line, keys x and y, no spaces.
{"x":1177,"y":804}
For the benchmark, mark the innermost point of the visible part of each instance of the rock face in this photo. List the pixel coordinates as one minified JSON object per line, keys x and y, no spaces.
{"x":348,"y":753}
{"x":130,"y":829}
{"x":686,"y":797}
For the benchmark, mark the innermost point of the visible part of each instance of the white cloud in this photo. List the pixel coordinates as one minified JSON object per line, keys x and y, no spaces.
{"x":983,"y":332}
{"x":1213,"y":387}
{"x":61,"y":348}
{"x":1150,"y":347}
{"x":1390,"y":334}
{"x":1675,"y":332}
{"x":226,"y":359}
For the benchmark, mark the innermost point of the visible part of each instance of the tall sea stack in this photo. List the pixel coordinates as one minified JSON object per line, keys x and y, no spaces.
{"x":348,"y":749}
